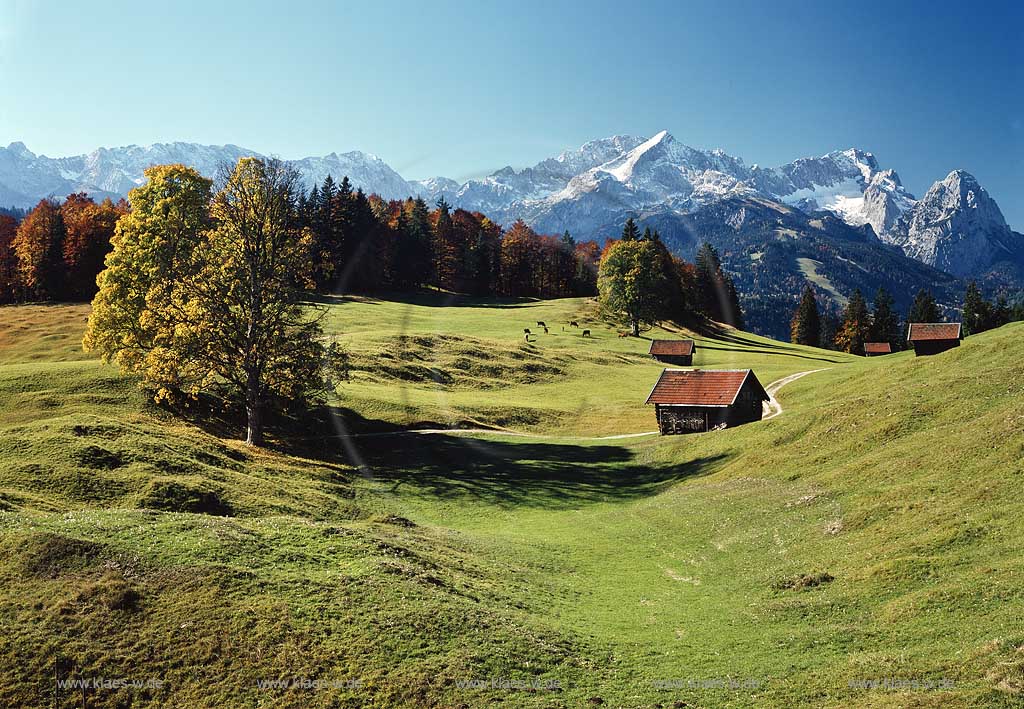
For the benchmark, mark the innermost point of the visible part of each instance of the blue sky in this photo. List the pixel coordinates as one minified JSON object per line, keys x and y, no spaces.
{"x":461,"y":89}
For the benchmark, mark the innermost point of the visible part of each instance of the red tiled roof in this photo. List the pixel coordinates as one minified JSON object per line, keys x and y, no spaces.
{"x":671,"y":347}
{"x":933,"y":331}
{"x":877,"y":347}
{"x":700,"y":387}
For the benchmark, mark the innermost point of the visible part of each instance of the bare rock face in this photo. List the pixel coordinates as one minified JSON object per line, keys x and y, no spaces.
{"x":957,"y":227}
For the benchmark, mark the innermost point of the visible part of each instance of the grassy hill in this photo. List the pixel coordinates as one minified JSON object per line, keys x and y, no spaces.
{"x":869,"y":534}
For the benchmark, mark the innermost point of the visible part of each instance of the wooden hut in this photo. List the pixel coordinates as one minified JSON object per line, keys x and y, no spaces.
{"x":930,"y":338}
{"x":695,"y":400}
{"x":873,"y":349}
{"x":678,"y":352}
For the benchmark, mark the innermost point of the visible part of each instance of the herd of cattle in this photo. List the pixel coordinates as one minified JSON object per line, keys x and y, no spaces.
{"x":540,"y":323}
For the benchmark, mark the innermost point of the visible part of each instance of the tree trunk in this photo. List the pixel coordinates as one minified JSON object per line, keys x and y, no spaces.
{"x":635,"y":324}
{"x":254,"y":427}
{"x":254,"y":411}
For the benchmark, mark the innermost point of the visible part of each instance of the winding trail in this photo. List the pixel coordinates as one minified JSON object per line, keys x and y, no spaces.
{"x":774,"y":407}
{"x":773,"y":404}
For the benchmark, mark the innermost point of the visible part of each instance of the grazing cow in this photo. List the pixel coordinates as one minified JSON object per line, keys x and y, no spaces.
{"x":527,"y":333}
{"x":540,"y":323}
{"x":586,"y":333}
{"x":623,"y":334}
{"x":545,"y":329}
{"x":573,"y":323}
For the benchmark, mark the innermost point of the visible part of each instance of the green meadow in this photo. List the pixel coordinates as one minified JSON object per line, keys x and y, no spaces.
{"x":862,"y":549}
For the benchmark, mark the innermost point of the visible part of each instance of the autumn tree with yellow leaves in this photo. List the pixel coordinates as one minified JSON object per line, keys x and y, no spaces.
{"x":207,"y":291}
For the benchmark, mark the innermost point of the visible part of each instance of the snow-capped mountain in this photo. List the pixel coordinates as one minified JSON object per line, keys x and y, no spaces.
{"x":582,"y":190}
{"x":956,"y":227}
{"x":25,"y":177}
{"x":846,"y":182}
{"x":591,"y":190}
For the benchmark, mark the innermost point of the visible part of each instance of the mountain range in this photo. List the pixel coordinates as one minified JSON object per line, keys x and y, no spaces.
{"x":956,"y":227}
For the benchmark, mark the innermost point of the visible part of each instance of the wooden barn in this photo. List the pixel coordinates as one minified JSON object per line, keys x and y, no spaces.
{"x":873,"y":349}
{"x":696,"y":400}
{"x":930,"y":338}
{"x":673,"y":351}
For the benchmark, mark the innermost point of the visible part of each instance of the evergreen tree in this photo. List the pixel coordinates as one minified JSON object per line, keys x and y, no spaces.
{"x":1001,"y":312}
{"x":10,"y":281}
{"x":924,"y":308}
{"x":716,"y":292}
{"x":733,"y":314}
{"x":885,"y":324}
{"x":805,"y":328}
{"x":1017,"y":311}
{"x":830,"y":324}
{"x":977,"y":315}
{"x":446,"y":258}
{"x":419,"y":237}
{"x":630,"y":232}
{"x":404,"y":268}
{"x":856,"y":327}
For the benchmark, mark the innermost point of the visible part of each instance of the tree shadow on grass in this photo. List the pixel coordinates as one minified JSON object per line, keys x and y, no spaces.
{"x":433,"y":299}
{"x":437,"y":466}
{"x":508,"y":474}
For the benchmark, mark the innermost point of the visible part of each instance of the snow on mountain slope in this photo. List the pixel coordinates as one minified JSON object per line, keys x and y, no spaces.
{"x":591,"y":190}
{"x":623,"y":173}
{"x":847,"y":182}
{"x":25,"y":177}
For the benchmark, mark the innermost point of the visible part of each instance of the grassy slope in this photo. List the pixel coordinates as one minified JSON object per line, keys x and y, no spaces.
{"x":605,"y":565}
{"x":461,"y":365}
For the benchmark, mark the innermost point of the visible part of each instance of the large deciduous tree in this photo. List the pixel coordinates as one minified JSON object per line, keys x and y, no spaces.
{"x":631,"y":282}
{"x":220,"y":297}
{"x":88,"y":229}
{"x":39,"y":245}
{"x":133,"y":316}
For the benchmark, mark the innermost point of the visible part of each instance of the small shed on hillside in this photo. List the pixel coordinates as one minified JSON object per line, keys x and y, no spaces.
{"x":673,"y":351}
{"x":930,"y":338}
{"x":696,"y":400}
{"x":873,"y":349}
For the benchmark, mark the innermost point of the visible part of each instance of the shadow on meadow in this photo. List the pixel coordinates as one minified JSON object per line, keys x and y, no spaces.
{"x":511,"y":474}
{"x":429,"y":298}
{"x":506,"y":474}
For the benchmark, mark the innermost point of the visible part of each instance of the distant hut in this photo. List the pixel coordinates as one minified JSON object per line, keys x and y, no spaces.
{"x":930,"y":338}
{"x":673,"y":351}
{"x":695,"y":400}
{"x":873,"y":349}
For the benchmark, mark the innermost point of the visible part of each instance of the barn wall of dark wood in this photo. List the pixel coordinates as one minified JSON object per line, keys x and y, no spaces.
{"x":931,"y":347}
{"x":678,"y":360}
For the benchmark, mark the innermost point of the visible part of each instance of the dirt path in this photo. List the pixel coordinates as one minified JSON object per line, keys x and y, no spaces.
{"x":774,"y":407}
